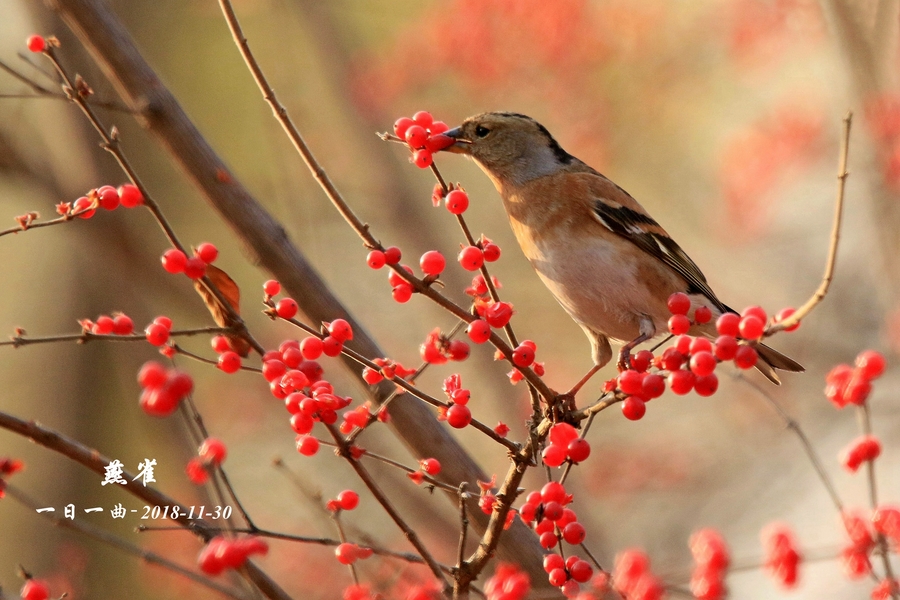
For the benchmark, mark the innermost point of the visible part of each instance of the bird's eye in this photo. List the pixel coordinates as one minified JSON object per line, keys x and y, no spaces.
{"x":482,"y":131}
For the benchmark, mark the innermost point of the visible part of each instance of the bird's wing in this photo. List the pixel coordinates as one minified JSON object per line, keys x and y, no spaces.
{"x":645,"y":233}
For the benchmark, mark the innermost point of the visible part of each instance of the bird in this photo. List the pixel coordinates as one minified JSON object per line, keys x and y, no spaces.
{"x":609,"y":264}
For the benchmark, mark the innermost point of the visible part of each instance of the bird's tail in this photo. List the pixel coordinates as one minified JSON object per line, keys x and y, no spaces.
{"x":771,"y":359}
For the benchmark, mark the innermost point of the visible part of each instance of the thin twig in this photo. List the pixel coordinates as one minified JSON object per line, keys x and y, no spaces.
{"x":835,"y":238}
{"x":375,"y":490}
{"x":86,"y":336}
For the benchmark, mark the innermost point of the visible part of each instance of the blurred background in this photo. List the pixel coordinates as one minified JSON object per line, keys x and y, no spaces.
{"x":723,"y":117}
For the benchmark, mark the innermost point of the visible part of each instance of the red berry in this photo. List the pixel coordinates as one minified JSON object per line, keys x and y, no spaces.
{"x":402,"y":292}
{"x":681,"y":382}
{"x":699,"y":344}
{"x":581,"y":571}
{"x":212,"y":450}
{"x":346,"y":553}
{"x":726,"y":347}
{"x":307,"y":445}
{"x":745,"y":357}
{"x":271,"y":287}
{"x":870,"y":364}
{"x":341,"y":330}
{"x":458,"y":350}
{"x":578,"y":450}
{"x":557,"y":577}
{"x":207,"y":252}
{"x":431,"y":466}
{"x":348,"y":500}
{"x":706,"y":385}
{"x":151,"y":375}
{"x":194,"y":268}
{"x":457,"y":202}
{"x":392,"y":255}
{"x":652,"y":386}
{"x":459,"y":416}
{"x":641,"y":360}
{"x":301,"y":422}
{"x":422,"y":158}
{"x":416,"y":136}
{"x":562,"y":434}
{"x":286,"y":308}
{"x":523,"y":356}
{"x":548,"y":540}
{"x":376,"y":259}
{"x":479,"y":331}
{"x":401,"y":126}
{"x":311,"y":348}
{"x":783,"y":314}
{"x":36,"y":44}
{"x":672,"y":359}
{"x":331,"y":346}
{"x":229,"y":362}
{"x":574,"y":533}
{"x":703,"y":363}
{"x":679,"y":324}
{"x":630,"y":382}
{"x":679,"y":303}
{"x":103,"y":325}
{"x":174,"y":260}
{"x":728,"y":324}
{"x":751,"y":327}
{"x":432,"y":262}
{"x":553,"y":561}
{"x":633,"y":408}
{"x":471,"y":258}
{"x":491,"y":252}
{"x":164,"y":321}
{"x":157,"y":334}
{"x":498,"y":314}
{"x":554,"y":455}
{"x":423,"y":118}
{"x":123,"y":325}
{"x":702,"y":315}
{"x":130,"y":196}
{"x":108,"y":197}
{"x":81,"y":206}
{"x":35,"y":589}
{"x":756,"y":311}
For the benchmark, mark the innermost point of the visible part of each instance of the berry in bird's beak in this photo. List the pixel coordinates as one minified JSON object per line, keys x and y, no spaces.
{"x":461,"y":145}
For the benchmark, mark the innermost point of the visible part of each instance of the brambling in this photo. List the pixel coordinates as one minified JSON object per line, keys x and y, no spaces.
{"x":606,"y":260}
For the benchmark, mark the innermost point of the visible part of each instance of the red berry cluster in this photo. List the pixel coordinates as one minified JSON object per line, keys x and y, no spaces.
{"x":633,"y":579}
{"x":348,"y":553}
{"x":8,"y":466}
{"x":106,"y":197}
{"x":175,"y":261}
{"x":423,"y":134}
{"x":567,"y":573}
{"x":471,"y":258}
{"x":711,"y":560}
{"x":387,"y":369}
{"x":229,"y":360}
{"x":865,"y":448}
{"x":855,"y":556}
{"x":117,"y":324}
{"x":438,"y":349}
{"x":690,"y":362}
{"x":357,"y":418}
{"x":35,"y":589}
{"x":852,"y":385}
{"x":222,"y":553}
{"x":507,"y":583}
{"x":457,"y":414}
{"x":552,"y":521}
{"x":158,"y":331}
{"x":565,"y":445}
{"x":163,"y":389}
{"x":781,"y":557}
{"x":210,"y":455}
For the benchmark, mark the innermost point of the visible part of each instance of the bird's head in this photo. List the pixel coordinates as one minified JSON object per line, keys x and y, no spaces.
{"x":509,"y":147}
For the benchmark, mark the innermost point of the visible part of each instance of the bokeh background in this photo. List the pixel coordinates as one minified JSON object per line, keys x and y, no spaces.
{"x":723,"y":117}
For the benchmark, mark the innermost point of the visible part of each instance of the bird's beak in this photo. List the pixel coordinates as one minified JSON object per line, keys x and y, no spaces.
{"x":461,"y":145}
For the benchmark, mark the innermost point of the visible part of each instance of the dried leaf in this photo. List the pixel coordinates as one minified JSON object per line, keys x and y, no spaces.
{"x":232,"y":294}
